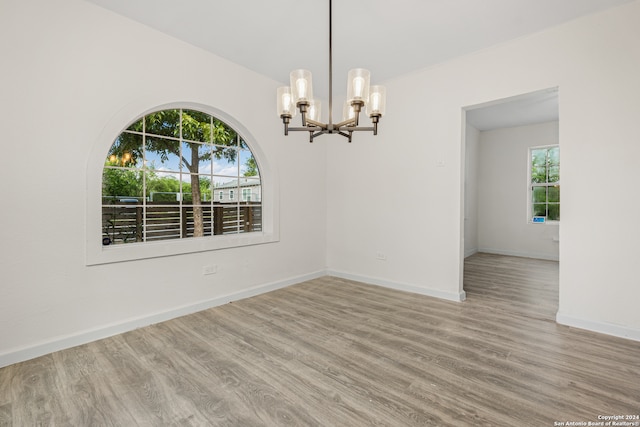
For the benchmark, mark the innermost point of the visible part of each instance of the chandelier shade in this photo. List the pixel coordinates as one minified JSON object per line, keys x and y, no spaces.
{"x":286,"y":105}
{"x":348,"y":113}
{"x":298,"y":96}
{"x":314,"y":111}
{"x":377,"y":100}
{"x":301,"y":85}
{"x":358,"y":81}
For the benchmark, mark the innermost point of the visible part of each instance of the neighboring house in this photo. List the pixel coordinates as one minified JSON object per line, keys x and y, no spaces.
{"x":247,"y":190}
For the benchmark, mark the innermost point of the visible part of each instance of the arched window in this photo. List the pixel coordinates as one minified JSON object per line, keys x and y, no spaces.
{"x":189,"y":156}
{"x":163,"y":172}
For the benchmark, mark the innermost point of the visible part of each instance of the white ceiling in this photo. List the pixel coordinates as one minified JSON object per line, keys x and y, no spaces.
{"x":388,"y":37}
{"x":526,"y":109}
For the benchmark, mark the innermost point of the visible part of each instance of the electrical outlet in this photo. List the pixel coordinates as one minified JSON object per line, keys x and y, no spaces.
{"x":209,"y":269}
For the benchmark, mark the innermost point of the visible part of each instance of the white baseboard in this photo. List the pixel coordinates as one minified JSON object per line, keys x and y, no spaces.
{"x":600,"y":327}
{"x":451,"y":296}
{"x":67,"y":341}
{"x":470,"y":252}
{"x":520,"y":254}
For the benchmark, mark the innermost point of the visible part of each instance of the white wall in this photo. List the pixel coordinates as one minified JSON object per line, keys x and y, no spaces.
{"x":472,"y":140}
{"x":595,"y":62}
{"x":503,"y":224}
{"x":68,"y":69}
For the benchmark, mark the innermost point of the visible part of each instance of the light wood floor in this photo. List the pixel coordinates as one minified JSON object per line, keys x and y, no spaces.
{"x":332,"y":352}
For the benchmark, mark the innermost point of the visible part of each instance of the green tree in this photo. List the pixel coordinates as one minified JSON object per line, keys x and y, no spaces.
{"x":252,"y":167}
{"x":163,"y":185}
{"x":205,"y":188}
{"x":119,"y":183}
{"x":186,"y":126}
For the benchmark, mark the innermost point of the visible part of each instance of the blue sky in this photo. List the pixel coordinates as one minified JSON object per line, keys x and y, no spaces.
{"x":227,"y":170}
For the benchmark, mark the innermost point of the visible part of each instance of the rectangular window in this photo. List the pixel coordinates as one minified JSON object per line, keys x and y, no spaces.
{"x":246,"y":194}
{"x":231,"y":195}
{"x":544,"y":174}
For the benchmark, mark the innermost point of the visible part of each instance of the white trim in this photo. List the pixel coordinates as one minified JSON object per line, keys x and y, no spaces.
{"x":451,"y":296}
{"x":600,"y":327}
{"x":470,"y":252}
{"x":535,"y":255}
{"x":67,"y":341}
{"x":98,"y":254}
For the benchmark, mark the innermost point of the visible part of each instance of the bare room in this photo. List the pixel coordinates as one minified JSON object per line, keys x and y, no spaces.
{"x":206,"y":234}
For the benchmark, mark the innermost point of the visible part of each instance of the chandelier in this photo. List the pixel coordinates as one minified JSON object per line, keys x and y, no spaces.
{"x":360,"y":97}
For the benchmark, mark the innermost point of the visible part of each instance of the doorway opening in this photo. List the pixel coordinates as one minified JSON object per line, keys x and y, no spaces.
{"x":497,"y":198}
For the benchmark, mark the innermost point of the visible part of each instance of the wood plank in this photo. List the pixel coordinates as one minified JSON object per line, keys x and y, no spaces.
{"x":332,"y":351}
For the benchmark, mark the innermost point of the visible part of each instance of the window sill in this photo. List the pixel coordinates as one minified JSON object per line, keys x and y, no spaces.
{"x":138,"y":251}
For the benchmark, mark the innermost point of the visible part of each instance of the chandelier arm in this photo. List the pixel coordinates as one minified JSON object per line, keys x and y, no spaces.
{"x":317,"y":124}
{"x":356,"y":129}
{"x":302,"y":106}
{"x":306,"y":129}
{"x":285,"y":120}
{"x":313,"y":135}
{"x":349,"y":136}
{"x":346,"y":123}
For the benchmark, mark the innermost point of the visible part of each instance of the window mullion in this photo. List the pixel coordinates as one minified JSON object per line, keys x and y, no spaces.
{"x":144,"y":171}
{"x":160,"y":131}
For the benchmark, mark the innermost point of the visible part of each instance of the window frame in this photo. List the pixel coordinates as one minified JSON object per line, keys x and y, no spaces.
{"x":531,"y":184}
{"x":97,"y":254}
{"x":246,"y":194}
